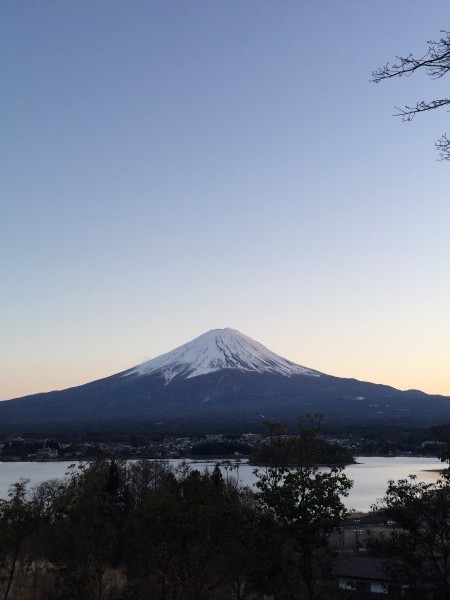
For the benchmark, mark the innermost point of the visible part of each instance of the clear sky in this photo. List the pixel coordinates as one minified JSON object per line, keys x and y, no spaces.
{"x":172,"y":166}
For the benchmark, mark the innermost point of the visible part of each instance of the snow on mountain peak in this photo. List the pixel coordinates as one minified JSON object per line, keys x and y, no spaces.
{"x":219,"y":349}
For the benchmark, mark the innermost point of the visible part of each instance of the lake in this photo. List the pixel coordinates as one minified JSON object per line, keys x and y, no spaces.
{"x":370,"y":474}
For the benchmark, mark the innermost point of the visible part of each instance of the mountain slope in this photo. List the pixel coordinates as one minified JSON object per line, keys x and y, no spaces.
{"x":220,"y":381}
{"x":216,"y":350}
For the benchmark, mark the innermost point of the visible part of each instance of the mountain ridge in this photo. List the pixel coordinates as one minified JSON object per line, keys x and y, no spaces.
{"x":224,"y":381}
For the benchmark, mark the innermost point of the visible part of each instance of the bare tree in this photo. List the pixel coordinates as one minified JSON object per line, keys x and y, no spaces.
{"x":436,"y":63}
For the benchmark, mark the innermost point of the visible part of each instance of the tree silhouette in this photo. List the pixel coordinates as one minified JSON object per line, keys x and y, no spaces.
{"x":305,"y":501}
{"x":19,"y":518}
{"x":420,"y":540}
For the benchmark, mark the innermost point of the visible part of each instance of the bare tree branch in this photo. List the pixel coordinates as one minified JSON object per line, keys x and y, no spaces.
{"x":443,"y":147}
{"x":436,"y":63}
{"x":407,"y":112}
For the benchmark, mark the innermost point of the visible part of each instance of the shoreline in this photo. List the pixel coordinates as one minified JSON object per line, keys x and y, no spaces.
{"x":210,"y":458}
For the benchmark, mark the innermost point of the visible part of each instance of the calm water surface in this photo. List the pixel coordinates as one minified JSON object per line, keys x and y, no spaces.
{"x":370,"y":474}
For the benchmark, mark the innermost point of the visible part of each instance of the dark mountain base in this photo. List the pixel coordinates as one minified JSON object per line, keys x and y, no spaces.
{"x":226,"y":401}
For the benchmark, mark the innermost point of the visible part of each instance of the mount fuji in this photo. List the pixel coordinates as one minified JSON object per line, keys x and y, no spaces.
{"x":221,"y":381}
{"x":217,"y":350}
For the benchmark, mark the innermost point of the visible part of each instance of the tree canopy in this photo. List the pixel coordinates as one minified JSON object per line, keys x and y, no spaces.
{"x":420,"y":539}
{"x":303,"y":499}
{"x":133,"y":530}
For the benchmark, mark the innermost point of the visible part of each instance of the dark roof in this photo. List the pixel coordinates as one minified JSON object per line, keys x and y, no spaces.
{"x":363,"y":567}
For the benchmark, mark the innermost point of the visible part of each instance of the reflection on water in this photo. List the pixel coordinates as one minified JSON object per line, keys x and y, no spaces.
{"x":370,"y":474}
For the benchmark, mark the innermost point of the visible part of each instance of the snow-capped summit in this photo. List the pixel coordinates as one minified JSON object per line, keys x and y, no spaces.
{"x":216,"y":350}
{"x":243,"y":381}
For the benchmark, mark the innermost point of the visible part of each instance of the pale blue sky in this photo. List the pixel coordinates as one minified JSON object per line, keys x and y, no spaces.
{"x":169,"y":167}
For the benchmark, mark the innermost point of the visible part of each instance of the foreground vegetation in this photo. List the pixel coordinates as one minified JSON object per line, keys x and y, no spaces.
{"x":419,"y":543}
{"x":122,"y":530}
{"x":113,"y":529}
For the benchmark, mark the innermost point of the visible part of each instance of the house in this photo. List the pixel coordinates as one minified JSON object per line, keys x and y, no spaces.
{"x":44,"y":453}
{"x":361,"y":577}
